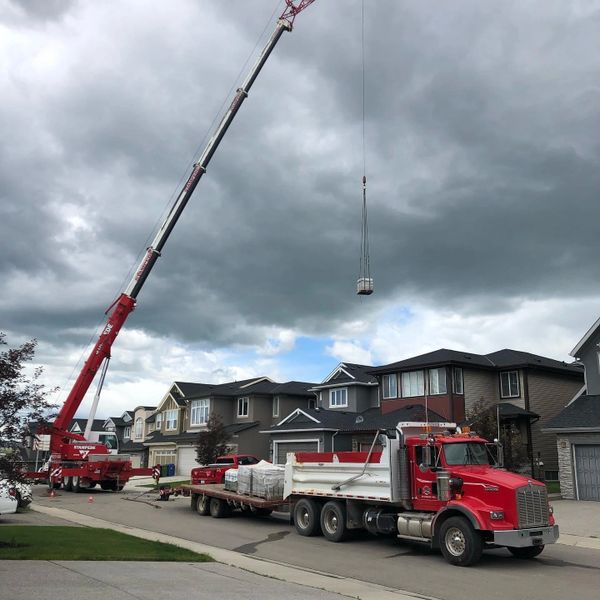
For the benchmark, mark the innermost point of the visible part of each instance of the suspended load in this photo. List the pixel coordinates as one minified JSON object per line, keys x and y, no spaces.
{"x":364,"y":285}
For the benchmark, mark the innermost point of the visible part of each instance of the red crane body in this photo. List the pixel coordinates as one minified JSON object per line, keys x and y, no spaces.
{"x":75,"y":462}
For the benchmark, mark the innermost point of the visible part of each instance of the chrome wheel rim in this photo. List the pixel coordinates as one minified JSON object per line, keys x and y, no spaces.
{"x":455,"y":541}
{"x":330,"y":522}
{"x":303,"y":518}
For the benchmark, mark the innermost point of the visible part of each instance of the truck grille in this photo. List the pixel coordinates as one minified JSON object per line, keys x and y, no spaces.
{"x":532,"y":506}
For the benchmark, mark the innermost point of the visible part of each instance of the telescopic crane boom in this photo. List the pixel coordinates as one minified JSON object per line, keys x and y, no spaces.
{"x":125,"y":303}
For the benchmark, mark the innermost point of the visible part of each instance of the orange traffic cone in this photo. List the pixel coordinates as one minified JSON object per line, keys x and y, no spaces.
{"x":91,"y":499}
{"x":52,"y":493}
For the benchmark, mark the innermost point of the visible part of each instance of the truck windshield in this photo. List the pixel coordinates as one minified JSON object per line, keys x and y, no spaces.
{"x":466,"y":453}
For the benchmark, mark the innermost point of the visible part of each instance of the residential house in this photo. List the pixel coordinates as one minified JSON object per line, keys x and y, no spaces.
{"x":327,"y":430}
{"x":530,"y":389}
{"x":121,"y":427}
{"x":577,"y":426}
{"x":243,"y":406}
{"x":134,"y":435}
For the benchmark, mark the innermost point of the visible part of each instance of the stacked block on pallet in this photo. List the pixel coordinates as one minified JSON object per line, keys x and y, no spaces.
{"x":231,"y":480}
{"x":263,"y":480}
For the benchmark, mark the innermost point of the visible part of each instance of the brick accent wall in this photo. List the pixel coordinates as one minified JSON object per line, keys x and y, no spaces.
{"x":565,"y":467}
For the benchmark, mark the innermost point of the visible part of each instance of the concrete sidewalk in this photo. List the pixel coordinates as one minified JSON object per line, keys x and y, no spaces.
{"x":74,"y":580}
{"x":579,"y":522}
{"x":309,"y":581}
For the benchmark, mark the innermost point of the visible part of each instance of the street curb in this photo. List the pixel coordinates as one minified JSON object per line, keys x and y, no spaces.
{"x":577,"y":540}
{"x":353,"y":588}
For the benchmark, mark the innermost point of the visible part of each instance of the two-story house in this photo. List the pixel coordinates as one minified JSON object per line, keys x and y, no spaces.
{"x":134,"y":435}
{"x":243,"y":406}
{"x":577,"y":426}
{"x":530,"y":390}
{"x":121,"y":427}
{"x":344,"y":415}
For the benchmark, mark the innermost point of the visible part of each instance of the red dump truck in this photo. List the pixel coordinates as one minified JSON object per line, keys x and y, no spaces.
{"x":431,"y":483}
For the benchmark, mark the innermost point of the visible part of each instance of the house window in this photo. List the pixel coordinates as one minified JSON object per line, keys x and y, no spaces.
{"x":457,"y":380}
{"x":509,"y":384}
{"x":390,"y":386}
{"x":243,"y":407}
{"x":158,"y":421}
{"x":126,"y":433}
{"x":171,"y":419}
{"x":437,"y":381}
{"x":413,"y":384}
{"x":276,"y":406}
{"x":312,"y":403}
{"x":338,"y":398}
{"x":199,"y":412}
{"x":139,"y":428}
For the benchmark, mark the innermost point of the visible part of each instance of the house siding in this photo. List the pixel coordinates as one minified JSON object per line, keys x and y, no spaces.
{"x":566,"y":464}
{"x":480,"y":385}
{"x":549,"y":393}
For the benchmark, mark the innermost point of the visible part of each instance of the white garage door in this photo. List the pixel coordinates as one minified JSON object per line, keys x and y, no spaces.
{"x":136,"y":460}
{"x":186,"y":461}
{"x":282,"y":448}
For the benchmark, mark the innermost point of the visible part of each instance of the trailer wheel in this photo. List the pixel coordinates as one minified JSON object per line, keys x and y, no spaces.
{"x":333,"y":521}
{"x":218,"y":508}
{"x":307,"y":517}
{"x":461,"y":545}
{"x":203,"y":505}
{"x":527,"y":552}
{"x":68,"y":483}
{"x":263,"y":512}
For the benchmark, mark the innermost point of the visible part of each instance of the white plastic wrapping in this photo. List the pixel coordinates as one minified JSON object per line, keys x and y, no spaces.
{"x":263,"y":480}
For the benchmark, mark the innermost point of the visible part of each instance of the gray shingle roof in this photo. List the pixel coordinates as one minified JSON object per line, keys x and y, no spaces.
{"x":582,"y":413}
{"x":159,"y":437}
{"x":501,"y":359}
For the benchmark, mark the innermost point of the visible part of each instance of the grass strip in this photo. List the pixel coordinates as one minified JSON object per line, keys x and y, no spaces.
{"x":21,"y":542}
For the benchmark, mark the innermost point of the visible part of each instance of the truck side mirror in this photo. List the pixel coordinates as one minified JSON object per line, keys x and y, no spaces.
{"x":426,"y":458}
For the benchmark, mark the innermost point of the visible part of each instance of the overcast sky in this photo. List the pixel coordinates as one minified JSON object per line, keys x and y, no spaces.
{"x":482,"y":151}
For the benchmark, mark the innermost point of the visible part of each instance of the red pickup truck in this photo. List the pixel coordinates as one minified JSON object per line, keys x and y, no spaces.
{"x":215,"y":473}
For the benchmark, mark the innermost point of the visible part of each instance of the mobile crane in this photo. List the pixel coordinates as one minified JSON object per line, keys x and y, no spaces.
{"x":75,"y":462}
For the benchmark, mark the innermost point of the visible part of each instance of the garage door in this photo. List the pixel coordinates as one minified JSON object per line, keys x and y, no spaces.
{"x":186,"y":461}
{"x":282,"y":448}
{"x":587,"y":466}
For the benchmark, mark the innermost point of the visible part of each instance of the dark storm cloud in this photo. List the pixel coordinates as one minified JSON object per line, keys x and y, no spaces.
{"x":482,"y":147}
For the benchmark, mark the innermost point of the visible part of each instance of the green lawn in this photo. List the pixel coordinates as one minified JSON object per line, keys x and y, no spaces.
{"x":85,"y":543}
{"x":553,"y":487}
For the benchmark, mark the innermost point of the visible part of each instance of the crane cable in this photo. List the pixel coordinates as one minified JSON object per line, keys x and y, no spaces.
{"x":365,"y":265}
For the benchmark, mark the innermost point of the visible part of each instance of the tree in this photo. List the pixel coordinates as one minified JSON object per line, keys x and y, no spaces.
{"x":213,"y":442}
{"x":22,"y":401}
{"x":482,"y":418}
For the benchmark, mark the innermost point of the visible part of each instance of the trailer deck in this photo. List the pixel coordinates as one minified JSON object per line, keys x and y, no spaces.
{"x":217,"y":490}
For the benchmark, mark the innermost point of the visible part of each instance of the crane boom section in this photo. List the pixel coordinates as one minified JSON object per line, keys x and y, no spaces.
{"x":126,"y":301}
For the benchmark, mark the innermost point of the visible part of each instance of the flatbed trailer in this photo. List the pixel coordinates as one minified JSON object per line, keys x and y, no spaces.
{"x":214,"y":500}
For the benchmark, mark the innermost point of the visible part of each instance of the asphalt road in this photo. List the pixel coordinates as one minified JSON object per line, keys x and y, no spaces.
{"x":560,"y":572}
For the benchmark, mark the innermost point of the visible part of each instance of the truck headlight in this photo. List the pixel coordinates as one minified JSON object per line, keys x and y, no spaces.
{"x":496,"y":515}
{"x":550,"y":509}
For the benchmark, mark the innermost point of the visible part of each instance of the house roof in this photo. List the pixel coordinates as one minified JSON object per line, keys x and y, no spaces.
{"x":187,"y":436}
{"x":117,"y":421}
{"x":588,"y":334}
{"x":294,"y":388}
{"x":132,"y":447}
{"x":369,"y":420}
{"x":501,"y":359}
{"x":350,"y":373}
{"x":509,"y":410}
{"x":97,"y":424}
{"x":581,"y":414}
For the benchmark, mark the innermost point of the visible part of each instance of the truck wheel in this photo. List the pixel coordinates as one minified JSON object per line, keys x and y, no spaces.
{"x":203,"y":505}
{"x":76,"y":485}
{"x":461,"y":545}
{"x":333,"y":521}
{"x":218,"y":508}
{"x":307,"y":515}
{"x":68,"y":483}
{"x":527,"y":552}
{"x":263,"y":512}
